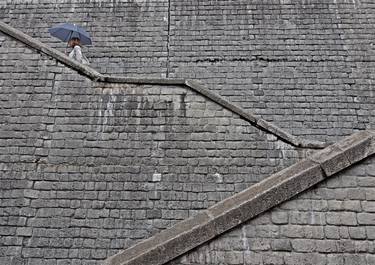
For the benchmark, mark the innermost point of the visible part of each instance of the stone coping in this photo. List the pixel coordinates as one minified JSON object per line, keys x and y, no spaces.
{"x":193,"y":85}
{"x":241,"y":207}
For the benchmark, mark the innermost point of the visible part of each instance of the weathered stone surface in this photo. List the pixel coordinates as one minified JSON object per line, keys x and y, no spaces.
{"x":346,"y":152}
{"x":92,"y":168}
{"x":255,"y":200}
{"x":20,"y":36}
{"x":332,"y":159}
{"x":323,"y":236}
{"x":309,"y":75}
{"x":359,"y":146}
{"x":270,"y":127}
{"x":305,"y":67}
{"x":95,"y":76}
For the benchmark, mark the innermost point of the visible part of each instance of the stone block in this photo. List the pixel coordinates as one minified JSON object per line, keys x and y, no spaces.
{"x":303,"y":245}
{"x":368,"y":206}
{"x":358,"y":146}
{"x":358,"y":233}
{"x":281,"y":245}
{"x":341,"y":218}
{"x":366,"y":218}
{"x":24,"y":231}
{"x":153,"y":214}
{"x":370,"y":231}
{"x":331,"y":159}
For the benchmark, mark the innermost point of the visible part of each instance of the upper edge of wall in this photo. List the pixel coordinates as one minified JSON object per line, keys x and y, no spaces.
{"x":98,"y":77}
{"x":243,"y":206}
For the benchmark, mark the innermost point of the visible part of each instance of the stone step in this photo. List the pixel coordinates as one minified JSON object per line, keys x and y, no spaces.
{"x":202,"y":90}
{"x":235,"y":210}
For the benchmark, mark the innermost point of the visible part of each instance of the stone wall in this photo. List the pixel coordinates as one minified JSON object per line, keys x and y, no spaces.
{"x":306,"y":66}
{"x":129,"y":37}
{"x":88,"y":168}
{"x":332,"y":223}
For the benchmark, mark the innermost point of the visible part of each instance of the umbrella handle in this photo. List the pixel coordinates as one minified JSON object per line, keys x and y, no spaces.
{"x":67,"y":44}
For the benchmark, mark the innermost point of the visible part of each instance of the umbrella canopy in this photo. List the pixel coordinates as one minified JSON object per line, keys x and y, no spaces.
{"x":68,"y":31}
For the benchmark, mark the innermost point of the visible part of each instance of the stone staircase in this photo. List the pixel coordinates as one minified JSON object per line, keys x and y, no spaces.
{"x":235,"y":210}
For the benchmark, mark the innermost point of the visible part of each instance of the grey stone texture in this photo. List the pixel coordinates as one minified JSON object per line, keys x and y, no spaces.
{"x":306,"y":66}
{"x":257,"y":199}
{"x":80,"y":160}
{"x":92,"y":74}
{"x":18,"y":35}
{"x":332,"y":223}
{"x":90,"y":168}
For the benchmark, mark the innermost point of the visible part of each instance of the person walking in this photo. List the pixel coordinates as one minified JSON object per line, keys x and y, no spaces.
{"x":75,"y":36}
{"x":76,"y":52}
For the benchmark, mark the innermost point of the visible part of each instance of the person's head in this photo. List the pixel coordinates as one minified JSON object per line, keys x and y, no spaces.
{"x":73,"y":42}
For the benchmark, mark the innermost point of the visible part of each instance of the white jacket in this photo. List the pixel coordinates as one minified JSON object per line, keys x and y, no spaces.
{"x":77,"y":55}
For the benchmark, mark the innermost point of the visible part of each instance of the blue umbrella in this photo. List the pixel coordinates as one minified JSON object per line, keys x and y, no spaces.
{"x":67,"y":31}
